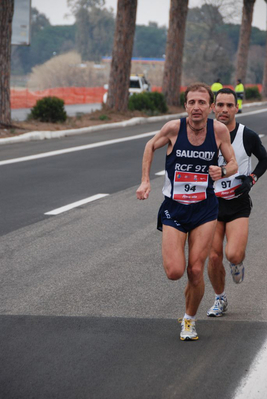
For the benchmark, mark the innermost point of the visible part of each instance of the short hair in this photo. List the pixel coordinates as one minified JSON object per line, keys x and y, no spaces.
{"x":199,"y":87}
{"x":226,"y":90}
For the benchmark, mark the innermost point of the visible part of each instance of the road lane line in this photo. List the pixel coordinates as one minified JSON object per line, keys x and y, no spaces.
{"x":254,"y":384}
{"x":75,"y":204}
{"x":161,"y":173}
{"x":251,"y":113}
{"x":95,"y":145}
{"x":74,"y":149}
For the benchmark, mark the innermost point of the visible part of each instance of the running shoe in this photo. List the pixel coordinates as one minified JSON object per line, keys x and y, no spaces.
{"x":188,"y":331}
{"x":237,"y":272}
{"x":218,"y":308}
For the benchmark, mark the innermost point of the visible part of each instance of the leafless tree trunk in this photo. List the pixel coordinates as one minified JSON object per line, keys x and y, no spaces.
{"x":122,"y":55}
{"x":244,"y":38}
{"x":6,"y":16}
{"x":174,"y":52}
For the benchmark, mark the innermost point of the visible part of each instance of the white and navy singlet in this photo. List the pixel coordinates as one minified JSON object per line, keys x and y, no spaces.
{"x":187,"y":177}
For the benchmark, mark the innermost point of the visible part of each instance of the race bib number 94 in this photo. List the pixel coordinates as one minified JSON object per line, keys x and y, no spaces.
{"x":189,"y":188}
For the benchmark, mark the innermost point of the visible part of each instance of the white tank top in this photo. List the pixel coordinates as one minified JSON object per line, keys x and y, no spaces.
{"x":225,"y":188}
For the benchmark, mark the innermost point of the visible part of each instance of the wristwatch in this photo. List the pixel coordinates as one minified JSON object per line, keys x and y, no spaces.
{"x":223,"y":169}
{"x":254,"y":178}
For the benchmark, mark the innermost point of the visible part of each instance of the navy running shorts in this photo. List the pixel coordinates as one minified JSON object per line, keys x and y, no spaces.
{"x":187,"y":217}
{"x":235,"y":208}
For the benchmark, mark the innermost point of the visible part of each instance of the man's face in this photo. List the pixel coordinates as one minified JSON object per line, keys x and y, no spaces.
{"x":198,"y":105}
{"x":225,"y":108}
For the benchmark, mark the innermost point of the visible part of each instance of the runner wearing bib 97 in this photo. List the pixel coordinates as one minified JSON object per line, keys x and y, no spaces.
{"x":190,"y":208}
{"x":234,"y":201}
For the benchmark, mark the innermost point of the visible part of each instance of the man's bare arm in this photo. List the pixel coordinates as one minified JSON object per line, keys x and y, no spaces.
{"x":162,"y":138}
{"x":224,"y":144}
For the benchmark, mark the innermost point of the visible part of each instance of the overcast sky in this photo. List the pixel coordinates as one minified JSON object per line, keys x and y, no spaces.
{"x":148,"y":10}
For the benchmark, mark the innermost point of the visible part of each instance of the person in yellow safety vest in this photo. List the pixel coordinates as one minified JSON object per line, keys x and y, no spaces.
{"x":216,"y":87}
{"x":239,"y":89}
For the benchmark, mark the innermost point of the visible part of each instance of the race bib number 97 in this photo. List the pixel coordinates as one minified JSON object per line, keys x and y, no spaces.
{"x":189,"y":188}
{"x":225,"y":188}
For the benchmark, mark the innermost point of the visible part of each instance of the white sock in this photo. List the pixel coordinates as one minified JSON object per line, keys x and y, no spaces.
{"x":186,"y":316}
{"x":222,"y":295}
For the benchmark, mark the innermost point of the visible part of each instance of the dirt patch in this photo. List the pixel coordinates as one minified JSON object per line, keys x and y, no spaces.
{"x":100,"y":117}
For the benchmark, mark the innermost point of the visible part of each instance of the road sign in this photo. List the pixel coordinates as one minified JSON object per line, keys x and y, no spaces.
{"x":21,"y":23}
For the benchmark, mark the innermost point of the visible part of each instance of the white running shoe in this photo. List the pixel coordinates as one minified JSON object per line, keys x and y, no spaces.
{"x":188,"y":331}
{"x":218,"y":308}
{"x":237,"y":272}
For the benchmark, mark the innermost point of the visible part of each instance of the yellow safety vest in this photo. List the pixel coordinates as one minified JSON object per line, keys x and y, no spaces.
{"x":239,"y":88}
{"x":216,"y":87}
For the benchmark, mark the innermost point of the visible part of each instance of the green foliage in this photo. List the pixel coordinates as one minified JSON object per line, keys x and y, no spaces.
{"x":49,"y":41}
{"x":207,"y":42}
{"x":154,"y":102}
{"x":159,"y":101}
{"x":182,"y":98}
{"x":252,"y":93}
{"x":49,"y":109}
{"x":103,"y":117}
{"x":149,"y":41}
{"x":258,"y":36}
{"x":95,"y":31}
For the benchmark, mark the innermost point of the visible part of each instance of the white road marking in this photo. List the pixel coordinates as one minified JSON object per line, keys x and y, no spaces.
{"x":254,"y":385}
{"x":75,"y":204}
{"x":161,"y":173}
{"x":95,"y":145}
{"x":74,"y":149}
{"x":251,"y":113}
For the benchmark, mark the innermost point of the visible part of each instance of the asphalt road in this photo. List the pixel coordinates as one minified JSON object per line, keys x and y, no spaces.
{"x":86,"y":310}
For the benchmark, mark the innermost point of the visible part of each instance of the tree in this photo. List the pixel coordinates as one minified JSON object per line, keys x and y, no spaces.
{"x":95,"y":28}
{"x":174,"y":52}
{"x":244,"y":38}
{"x":122,"y":55}
{"x":6,"y":16}
{"x":207,"y":42}
{"x":264,"y":82}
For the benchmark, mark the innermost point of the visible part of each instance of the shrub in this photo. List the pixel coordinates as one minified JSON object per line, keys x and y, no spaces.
{"x":140,"y":102}
{"x":252,"y":93}
{"x":159,"y":101}
{"x":104,"y":117}
{"x":153,"y":102}
{"x":182,"y":98}
{"x":49,"y":109}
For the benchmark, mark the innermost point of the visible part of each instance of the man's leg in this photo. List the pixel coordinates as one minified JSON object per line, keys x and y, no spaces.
{"x":199,"y":242}
{"x":173,"y":244}
{"x":216,"y":272}
{"x":216,"y":269}
{"x":237,"y":237}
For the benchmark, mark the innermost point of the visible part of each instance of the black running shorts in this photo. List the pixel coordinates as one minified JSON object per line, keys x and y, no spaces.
{"x":236,"y":208}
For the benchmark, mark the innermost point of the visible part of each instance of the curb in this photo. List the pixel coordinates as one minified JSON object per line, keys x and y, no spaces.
{"x":46,"y":135}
